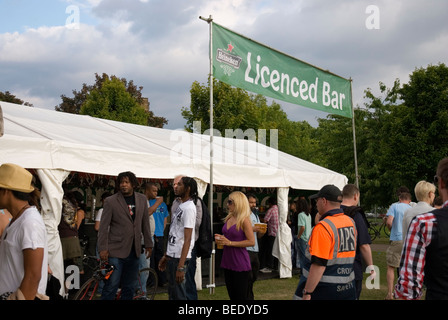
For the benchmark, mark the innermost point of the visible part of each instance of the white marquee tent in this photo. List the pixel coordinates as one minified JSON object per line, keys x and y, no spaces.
{"x":56,"y":143}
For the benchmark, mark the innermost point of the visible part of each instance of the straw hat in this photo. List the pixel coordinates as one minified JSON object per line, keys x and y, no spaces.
{"x":14,"y":177}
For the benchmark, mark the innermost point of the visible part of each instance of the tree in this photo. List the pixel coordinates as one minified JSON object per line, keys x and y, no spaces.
{"x":399,"y":136}
{"x":416,"y":127}
{"x":74,"y":105}
{"x":377,"y":185}
{"x":235,"y":108}
{"x":113,"y":102}
{"x":426,"y":101}
{"x":8,"y":97}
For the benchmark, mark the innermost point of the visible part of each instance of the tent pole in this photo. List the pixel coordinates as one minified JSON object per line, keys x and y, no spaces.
{"x":210,"y":200}
{"x":211,"y":284}
{"x":1,"y":122}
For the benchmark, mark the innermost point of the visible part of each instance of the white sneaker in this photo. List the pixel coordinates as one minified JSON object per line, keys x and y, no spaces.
{"x":265,"y":270}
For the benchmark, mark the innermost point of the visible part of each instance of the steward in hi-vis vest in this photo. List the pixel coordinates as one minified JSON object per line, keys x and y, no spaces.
{"x":328,"y":270}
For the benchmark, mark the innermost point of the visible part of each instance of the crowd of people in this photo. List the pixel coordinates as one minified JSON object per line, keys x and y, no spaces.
{"x":330,"y":246}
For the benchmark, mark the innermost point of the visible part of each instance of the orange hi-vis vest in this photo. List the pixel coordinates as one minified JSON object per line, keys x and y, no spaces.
{"x":334,"y":239}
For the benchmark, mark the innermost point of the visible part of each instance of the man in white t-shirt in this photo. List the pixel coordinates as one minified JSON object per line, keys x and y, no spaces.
{"x":181,"y":239}
{"x":23,"y":247}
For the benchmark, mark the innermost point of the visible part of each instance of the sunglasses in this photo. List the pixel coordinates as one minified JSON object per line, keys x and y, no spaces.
{"x":229,"y":202}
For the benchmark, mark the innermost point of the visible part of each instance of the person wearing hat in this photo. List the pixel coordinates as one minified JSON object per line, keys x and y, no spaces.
{"x":23,"y":247}
{"x":328,"y":267}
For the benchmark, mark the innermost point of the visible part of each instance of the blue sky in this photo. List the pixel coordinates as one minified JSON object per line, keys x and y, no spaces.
{"x":18,"y":15}
{"x":162,"y":45}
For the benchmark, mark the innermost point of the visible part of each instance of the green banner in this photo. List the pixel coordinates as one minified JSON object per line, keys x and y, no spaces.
{"x":249,"y":65}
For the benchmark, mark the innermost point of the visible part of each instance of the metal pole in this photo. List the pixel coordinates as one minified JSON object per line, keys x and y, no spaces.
{"x":1,"y":122}
{"x":211,"y":284}
{"x":354,"y":138}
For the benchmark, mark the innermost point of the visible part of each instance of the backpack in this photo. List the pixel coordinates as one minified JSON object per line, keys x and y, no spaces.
{"x":353,"y":210}
{"x":204,"y":243}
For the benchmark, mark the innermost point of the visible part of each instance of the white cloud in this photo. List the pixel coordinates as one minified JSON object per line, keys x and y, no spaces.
{"x":163,"y":45}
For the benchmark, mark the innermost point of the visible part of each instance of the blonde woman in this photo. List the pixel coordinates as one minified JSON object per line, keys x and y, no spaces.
{"x":237,"y":235}
{"x":425,"y":192}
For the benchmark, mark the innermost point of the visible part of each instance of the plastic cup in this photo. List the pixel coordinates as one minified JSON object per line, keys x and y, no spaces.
{"x":218,"y":246}
{"x":262,"y":226}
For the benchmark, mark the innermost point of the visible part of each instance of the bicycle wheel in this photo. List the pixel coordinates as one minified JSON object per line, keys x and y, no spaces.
{"x":372,"y":232}
{"x":386,"y":230}
{"x":87,"y":290}
{"x":148,"y":282}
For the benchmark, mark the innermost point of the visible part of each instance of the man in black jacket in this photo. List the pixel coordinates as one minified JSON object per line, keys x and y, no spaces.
{"x":350,"y":202}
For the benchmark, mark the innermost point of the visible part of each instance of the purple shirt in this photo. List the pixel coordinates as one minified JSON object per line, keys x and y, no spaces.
{"x":233,"y":258}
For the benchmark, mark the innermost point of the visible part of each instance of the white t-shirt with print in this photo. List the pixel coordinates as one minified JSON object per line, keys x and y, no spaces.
{"x":183,"y":217}
{"x":27,"y":232}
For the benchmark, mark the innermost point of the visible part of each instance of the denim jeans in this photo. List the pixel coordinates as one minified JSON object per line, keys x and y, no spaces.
{"x":176,"y":291}
{"x":295,"y":251}
{"x":301,"y":254}
{"x":143,"y":263}
{"x":125,"y":274}
{"x":190,"y":283}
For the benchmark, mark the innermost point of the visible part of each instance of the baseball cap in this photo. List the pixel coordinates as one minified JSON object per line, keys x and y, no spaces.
{"x":329,"y":192}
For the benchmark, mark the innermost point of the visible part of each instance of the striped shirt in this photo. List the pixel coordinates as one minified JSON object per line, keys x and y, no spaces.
{"x":271,"y":218}
{"x":420,"y":234}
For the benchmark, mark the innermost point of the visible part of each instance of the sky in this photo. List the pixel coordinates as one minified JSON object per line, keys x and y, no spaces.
{"x":51,"y":47}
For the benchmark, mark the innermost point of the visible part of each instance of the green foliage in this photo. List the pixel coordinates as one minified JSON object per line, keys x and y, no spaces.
{"x":109,"y":101}
{"x":234,"y":108}
{"x":113,"y":102}
{"x":399,"y":136}
{"x":9,"y":97}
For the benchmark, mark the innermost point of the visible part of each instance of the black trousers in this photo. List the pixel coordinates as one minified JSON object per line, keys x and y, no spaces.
{"x":238,"y":284}
{"x":267,"y":260}
{"x":255,"y":263}
{"x":157,"y":254}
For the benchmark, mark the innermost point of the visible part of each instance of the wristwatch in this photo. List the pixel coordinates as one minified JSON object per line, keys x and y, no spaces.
{"x":304,"y":292}
{"x":182,"y":269}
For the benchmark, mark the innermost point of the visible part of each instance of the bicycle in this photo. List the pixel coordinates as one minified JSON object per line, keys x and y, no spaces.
{"x":148,"y":283}
{"x":377,"y":232}
{"x":148,"y":277}
{"x":89,"y":288}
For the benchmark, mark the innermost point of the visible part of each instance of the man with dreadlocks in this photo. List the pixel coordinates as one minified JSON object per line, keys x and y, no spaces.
{"x":181,"y":239}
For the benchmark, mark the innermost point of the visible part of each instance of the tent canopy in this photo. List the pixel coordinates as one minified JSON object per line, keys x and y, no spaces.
{"x":46,"y":139}
{"x":56,"y":143}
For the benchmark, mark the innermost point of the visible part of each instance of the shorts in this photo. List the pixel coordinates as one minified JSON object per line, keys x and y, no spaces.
{"x":393,"y":253}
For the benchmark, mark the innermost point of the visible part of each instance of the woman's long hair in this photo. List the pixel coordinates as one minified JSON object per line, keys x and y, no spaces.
{"x":242,"y":208}
{"x":33,"y":197}
{"x":303,"y":206}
